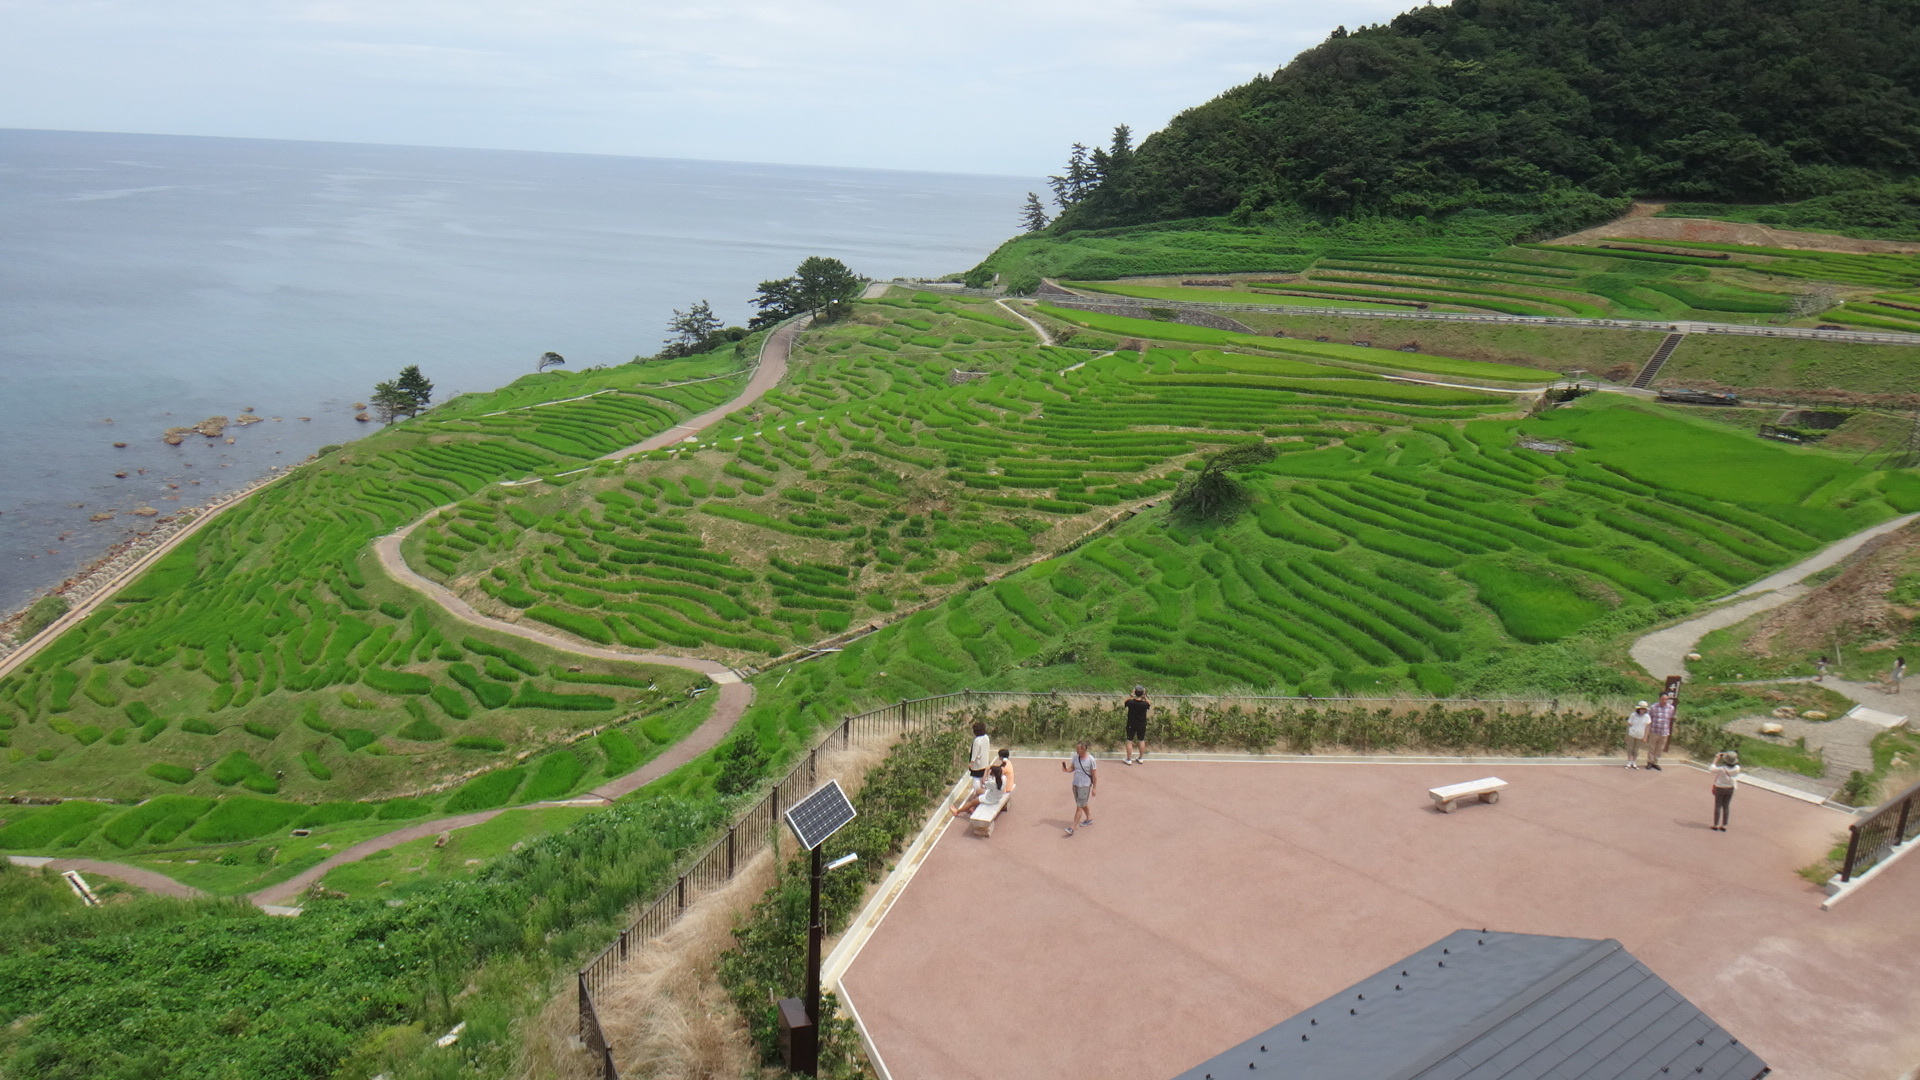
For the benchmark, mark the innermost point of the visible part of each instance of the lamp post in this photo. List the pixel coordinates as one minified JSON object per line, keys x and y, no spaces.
{"x":813,"y":820}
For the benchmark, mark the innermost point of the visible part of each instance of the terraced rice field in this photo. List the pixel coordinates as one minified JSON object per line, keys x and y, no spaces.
{"x":1628,"y":279}
{"x":872,"y":482}
{"x":925,"y":463}
{"x":1399,"y":540}
{"x":268,"y":655}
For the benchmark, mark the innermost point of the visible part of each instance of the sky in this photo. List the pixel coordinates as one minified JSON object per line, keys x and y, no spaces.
{"x":986,"y":86}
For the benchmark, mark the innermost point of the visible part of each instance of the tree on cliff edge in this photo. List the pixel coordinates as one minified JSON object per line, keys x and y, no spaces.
{"x":415,"y":385}
{"x":819,"y":285}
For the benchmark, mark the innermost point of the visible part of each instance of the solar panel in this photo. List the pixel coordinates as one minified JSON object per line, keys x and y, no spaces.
{"x":820,"y":815}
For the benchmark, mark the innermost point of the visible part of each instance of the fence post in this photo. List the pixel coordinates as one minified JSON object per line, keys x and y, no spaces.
{"x":623,"y":943}
{"x":729,"y":852}
{"x":1853,"y":847}
{"x":1900,"y":834}
{"x":681,"y":890}
{"x":583,"y":1004}
{"x":607,"y":1071}
{"x":813,"y":773}
{"x":776,"y":803}
{"x":846,"y":732}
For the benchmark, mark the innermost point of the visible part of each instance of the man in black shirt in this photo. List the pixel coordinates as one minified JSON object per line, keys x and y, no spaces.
{"x":1137,"y":707}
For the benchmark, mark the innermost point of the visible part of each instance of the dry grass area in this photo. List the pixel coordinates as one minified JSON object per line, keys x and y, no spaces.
{"x":665,"y":1012}
{"x":1859,"y":606}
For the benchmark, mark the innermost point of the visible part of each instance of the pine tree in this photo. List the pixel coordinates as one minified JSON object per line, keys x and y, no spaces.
{"x":692,"y":327}
{"x":1033,"y":216}
{"x":389,"y":401}
{"x":417,"y":390}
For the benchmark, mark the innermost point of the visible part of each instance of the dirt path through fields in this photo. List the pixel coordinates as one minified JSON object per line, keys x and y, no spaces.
{"x":734,"y":695}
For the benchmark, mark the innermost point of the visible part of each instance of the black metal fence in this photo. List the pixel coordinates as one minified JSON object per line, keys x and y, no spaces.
{"x":749,"y":834}
{"x":754,"y":830}
{"x":1871,"y":839}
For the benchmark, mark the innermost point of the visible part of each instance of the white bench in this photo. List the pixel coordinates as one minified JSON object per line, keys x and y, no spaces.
{"x":980,"y":822}
{"x":1487,"y":791}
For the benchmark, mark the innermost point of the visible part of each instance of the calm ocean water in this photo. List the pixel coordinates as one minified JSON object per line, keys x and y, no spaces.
{"x":149,"y":282}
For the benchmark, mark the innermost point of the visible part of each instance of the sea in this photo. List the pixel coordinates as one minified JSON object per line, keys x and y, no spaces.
{"x":150,"y":281}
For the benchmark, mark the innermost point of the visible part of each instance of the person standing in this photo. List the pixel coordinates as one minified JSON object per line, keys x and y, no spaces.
{"x":1725,"y":770}
{"x":1659,"y":730}
{"x":1137,"y":708}
{"x":1637,"y":723}
{"x":1086,"y":776}
{"x":1820,"y":669}
{"x":1899,"y":672}
{"x":982,"y":755}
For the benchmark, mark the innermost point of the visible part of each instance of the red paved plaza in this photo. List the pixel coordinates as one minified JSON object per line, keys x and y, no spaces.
{"x":1211,"y":900}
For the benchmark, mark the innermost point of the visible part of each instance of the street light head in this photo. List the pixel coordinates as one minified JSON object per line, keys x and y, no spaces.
{"x":850,"y":857}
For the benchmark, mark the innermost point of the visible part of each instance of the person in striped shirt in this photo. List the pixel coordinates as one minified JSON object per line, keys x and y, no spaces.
{"x":1659,"y":730}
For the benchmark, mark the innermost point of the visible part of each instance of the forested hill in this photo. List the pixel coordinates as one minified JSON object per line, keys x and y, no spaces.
{"x":1562,"y":107}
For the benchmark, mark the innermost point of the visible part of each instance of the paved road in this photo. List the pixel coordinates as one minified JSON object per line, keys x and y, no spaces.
{"x":1664,"y":652}
{"x":767,"y":373}
{"x":151,"y":880}
{"x":1045,"y":338}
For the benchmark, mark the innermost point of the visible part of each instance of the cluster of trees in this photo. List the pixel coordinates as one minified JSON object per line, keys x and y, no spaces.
{"x":697,"y":330}
{"x":1560,"y":108}
{"x":406,"y":395}
{"x":1086,"y":169}
{"x":819,"y":285}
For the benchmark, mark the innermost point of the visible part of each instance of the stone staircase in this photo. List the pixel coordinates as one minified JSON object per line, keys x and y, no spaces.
{"x":1657,"y":361}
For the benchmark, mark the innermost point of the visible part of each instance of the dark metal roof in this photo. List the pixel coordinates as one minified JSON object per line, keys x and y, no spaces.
{"x":1479,"y":1006}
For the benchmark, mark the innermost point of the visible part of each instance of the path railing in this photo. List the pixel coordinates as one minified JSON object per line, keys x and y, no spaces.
{"x":755,"y":829}
{"x":749,"y":834}
{"x":1873,"y":838}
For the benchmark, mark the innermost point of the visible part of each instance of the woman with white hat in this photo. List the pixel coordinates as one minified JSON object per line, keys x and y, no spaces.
{"x":1637,"y":722}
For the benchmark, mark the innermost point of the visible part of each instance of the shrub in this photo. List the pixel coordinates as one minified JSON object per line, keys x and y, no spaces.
{"x":199,"y":726}
{"x":480,"y":742}
{"x":315,"y":767}
{"x":742,"y":763}
{"x":261,"y":730}
{"x":486,"y":791}
{"x":41,"y":615}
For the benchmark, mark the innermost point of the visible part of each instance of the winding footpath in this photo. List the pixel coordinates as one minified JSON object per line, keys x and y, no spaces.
{"x":732,"y":700}
{"x":1845,"y":744}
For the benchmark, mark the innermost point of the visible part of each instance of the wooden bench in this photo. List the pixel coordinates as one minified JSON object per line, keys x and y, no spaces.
{"x":1487,"y":791}
{"x":980,"y":822}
